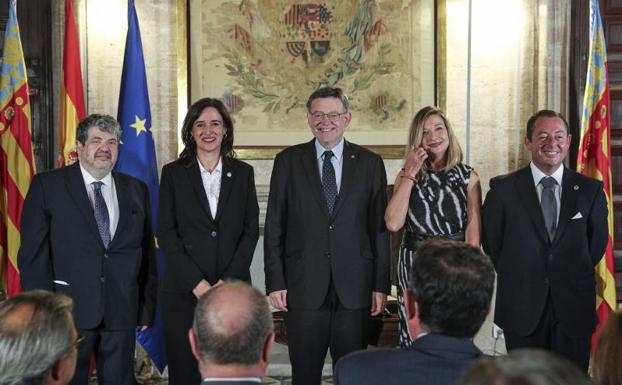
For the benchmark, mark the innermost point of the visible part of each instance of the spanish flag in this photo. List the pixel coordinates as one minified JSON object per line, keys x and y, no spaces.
{"x":71,"y":93}
{"x":16,"y":157}
{"x":594,"y":158}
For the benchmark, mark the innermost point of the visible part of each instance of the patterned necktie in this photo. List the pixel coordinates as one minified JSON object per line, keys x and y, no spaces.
{"x":329,"y":182}
{"x":101,"y":213}
{"x":548,"y":203}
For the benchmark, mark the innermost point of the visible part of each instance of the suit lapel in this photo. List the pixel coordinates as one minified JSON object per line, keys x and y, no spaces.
{"x":194,"y":176}
{"x":310,"y":166}
{"x":349,"y":161}
{"x":226,"y":182}
{"x":529,"y":198}
{"x":124,"y":199}
{"x":78,"y":193}
{"x":570,"y":191}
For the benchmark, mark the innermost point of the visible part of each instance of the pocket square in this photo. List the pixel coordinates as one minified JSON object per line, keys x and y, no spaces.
{"x":577,"y":216}
{"x":59,"y":282}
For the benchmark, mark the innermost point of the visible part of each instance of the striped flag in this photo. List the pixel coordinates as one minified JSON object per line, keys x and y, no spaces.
{"x":71,"y":93}
{"x":137,"y":156}
{"x":16,"y":157}
{"x":594,"y":158}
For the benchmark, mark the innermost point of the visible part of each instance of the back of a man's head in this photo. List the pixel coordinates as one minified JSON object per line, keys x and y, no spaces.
{"x":524,"y":367}
{"x":37,"y":339}
{"x":232,"y":324}
{"x":452,"y":284}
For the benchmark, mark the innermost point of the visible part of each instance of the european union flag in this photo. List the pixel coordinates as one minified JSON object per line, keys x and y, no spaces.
{"x":137,"y":155}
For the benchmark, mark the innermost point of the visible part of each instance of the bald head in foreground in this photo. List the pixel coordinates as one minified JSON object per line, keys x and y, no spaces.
{"x":232,"y":334}
{"x":38,"y":339}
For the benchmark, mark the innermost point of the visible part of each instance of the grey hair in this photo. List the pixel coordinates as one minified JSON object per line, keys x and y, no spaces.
{"x":243,"y":338}
{"x":30,"y":348}
{"x":105,"y":123}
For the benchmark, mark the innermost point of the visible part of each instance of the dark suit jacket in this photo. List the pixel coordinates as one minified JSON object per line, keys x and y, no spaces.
{"x":529,"y":266}
{"x":197,"y":246}
{"x":434,"y":359}
{"x":303,"y":244}
{"x":60,"y":241}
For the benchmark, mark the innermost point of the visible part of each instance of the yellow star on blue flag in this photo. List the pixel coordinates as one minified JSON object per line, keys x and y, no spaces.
{"x":139,"y":125}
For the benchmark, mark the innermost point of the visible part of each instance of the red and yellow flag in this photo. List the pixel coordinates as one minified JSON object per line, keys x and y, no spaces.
{"x":16,"y":157}
{"x":72,"y":92}
{"x":594,"y":157}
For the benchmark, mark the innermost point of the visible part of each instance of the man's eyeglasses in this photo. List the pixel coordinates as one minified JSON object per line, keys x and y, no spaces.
{"x":332,"y":116}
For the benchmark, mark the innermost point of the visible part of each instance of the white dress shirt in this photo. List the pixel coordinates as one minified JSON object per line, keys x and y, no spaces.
{"x":557,"y":175}
{"x":109,"y":192}
{"x":336,"y":160}
{"x":211,"y":185}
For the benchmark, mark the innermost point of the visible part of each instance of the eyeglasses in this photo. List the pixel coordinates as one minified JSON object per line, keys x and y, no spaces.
{"x":332,"y":116}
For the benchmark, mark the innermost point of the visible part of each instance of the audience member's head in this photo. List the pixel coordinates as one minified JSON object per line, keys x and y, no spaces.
{"x":450,"y":289}
{"x":38,"y":339}
{"x":524,"y":367}
{"x":232,"y":333}
{"x":607,"y":362}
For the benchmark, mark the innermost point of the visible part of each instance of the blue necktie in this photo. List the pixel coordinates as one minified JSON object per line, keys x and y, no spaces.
{"x":101,"y":214}
{"x":329,"y":182}
{"x":548,"y":203}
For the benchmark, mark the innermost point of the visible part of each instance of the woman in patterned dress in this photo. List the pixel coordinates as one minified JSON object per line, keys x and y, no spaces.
{"x":435,"y":195}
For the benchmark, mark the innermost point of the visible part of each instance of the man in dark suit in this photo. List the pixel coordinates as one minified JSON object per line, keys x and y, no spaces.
{"x":545,"y":228}
{"x":86,"y":232}
{"x":447,"y":300}
{"x":232,"y":334}
{"x":326,"y":246}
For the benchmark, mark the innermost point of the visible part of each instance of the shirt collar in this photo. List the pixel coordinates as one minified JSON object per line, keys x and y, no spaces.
{"x":218,"y":168}
{"x":88,"y":178}
{"x":538,"y":175}
{"x":337,"y":150}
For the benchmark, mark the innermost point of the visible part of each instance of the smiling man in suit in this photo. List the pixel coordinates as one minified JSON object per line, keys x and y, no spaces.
{"x":86,"y":232}
{"x":545,"y":228}
{"x":326,"y":246}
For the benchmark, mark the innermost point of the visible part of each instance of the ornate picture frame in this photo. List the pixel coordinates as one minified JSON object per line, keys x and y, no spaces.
{"x":263,"y":59}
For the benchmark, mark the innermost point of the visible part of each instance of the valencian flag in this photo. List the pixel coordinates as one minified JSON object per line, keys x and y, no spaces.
{"x":16,"y":157}
{"x":71,"y":93}
{"x":594,"y":157}
{"x":137,"y":155}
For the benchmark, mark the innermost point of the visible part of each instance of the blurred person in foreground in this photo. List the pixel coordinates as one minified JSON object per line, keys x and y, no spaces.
{"x":607,"y":358}
{"x":232,"y":335}
{"x":524,"y":367}
{"x":447,"y":300}
{"x":38,"y":340}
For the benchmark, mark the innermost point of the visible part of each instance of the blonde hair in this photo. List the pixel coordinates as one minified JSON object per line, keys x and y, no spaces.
{"x":453,"y":155}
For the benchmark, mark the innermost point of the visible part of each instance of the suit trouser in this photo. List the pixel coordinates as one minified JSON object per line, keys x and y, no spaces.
{"x":549,"y":335}
{"x":310,"y":333}
{"x":177,"y":316}
{"x":114,"y":355}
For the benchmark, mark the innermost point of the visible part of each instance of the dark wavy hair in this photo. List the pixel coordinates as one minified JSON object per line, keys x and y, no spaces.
{"x":531,"y":123}
{"x":452,"y":283}
{"x":195,"y":110}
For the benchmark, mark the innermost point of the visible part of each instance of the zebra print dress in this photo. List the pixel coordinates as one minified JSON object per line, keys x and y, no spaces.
{"x":437,"y":209}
